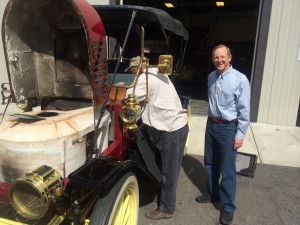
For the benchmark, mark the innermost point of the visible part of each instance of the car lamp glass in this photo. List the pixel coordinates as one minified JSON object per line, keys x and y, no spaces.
{"x":128,"y":115}
{"x":131,"y":112}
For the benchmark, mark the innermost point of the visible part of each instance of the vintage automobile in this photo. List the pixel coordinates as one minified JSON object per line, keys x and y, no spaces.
{"x":77,"y":151}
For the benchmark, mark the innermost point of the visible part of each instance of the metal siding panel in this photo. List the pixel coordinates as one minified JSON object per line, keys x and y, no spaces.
{"x":279,"y":102}
{"x":3,"y":71}
{"x":290,"y":66}
{"x":295,"y":53}
{"x":266,"y":88}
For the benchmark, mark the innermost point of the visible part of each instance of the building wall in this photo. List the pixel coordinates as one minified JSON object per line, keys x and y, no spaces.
{"x":3,"y":71}
{"x":280,"y":92}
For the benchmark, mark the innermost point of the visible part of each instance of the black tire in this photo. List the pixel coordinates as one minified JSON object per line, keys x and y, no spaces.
{"x":120,"y":206}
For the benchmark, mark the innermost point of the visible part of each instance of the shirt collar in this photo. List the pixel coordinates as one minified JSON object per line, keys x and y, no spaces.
{"x":222,"y":75}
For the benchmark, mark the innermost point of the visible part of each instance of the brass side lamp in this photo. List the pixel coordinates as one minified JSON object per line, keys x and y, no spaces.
{"x":130,"y":113}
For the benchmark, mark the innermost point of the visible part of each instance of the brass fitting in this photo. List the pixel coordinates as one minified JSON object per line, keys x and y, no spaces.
{"x":130,"y":112}
{"x":165,"y":65}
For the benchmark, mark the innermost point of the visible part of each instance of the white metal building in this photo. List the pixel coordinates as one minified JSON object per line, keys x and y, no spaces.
{"x":279,"y":84}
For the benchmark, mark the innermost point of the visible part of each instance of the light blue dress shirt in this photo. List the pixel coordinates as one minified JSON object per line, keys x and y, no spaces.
{"x":229,"y":98}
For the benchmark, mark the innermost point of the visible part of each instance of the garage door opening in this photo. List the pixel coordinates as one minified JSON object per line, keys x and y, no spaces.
{"x":234,"y":24}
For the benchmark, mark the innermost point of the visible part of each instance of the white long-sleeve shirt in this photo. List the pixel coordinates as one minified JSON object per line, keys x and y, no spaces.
{"x":163,"y":109}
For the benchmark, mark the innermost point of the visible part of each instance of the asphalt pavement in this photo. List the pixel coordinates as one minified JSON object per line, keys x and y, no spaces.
{"x":272,"y":197}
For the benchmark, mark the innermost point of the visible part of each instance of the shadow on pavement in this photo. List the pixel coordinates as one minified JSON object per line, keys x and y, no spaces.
{"x":195,"y":171}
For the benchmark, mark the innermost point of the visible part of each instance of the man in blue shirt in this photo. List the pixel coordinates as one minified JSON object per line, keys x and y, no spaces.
{"x":228,"y":121}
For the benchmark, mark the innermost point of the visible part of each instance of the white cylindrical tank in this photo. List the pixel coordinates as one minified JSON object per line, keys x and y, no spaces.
{"x":58,"y":140}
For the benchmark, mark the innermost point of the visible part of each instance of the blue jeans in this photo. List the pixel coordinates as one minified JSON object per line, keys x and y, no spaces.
{"x":171,"y":146}
{"x":219,"y":161}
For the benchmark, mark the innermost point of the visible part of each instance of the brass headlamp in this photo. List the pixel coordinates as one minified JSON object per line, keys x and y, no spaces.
{"x":31,"y":196}
{"x":130,"y":113}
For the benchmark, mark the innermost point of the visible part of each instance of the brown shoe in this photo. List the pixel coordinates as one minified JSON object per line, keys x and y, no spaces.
{"x":157,"y":214}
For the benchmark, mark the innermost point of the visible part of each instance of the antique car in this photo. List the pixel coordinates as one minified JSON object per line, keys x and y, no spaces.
{"x":77,"y":151}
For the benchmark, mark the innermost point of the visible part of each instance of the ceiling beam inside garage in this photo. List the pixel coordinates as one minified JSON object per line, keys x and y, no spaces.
{"x":196,"y":7}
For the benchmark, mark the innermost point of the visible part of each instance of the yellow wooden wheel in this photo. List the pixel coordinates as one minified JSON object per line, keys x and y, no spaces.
{"x":120,"y":206}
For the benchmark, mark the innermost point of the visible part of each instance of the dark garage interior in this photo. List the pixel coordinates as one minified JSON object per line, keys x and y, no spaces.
{"x":233,"y":24}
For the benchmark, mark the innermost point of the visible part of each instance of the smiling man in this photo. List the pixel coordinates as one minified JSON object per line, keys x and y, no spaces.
{"x":228,"y":121}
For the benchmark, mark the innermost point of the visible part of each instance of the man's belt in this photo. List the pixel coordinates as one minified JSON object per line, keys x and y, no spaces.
{"x":217,"y":120}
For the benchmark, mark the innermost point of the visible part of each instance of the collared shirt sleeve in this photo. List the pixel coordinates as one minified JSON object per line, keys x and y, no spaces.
{"x":243,"y":109}
{"x":140,"y":89}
